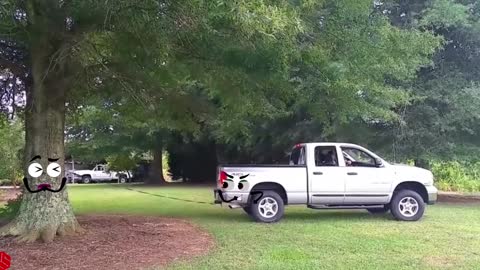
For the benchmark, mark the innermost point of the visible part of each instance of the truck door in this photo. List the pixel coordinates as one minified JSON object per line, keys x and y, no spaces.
{"x":96,"y":173}
{"x":102,"y":174}
{"x":366,"y":182}
{"x":326,"y":178}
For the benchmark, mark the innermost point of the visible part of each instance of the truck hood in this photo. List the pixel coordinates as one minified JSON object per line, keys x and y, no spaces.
{"x":412,"y":173}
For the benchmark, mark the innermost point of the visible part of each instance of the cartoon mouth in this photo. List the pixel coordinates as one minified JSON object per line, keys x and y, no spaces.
{"x":255,"y":192}
{"x":44,"y":186}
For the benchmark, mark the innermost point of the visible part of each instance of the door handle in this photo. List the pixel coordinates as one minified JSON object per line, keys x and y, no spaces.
{"x":352,"y":173}
{"x":317,"y":173}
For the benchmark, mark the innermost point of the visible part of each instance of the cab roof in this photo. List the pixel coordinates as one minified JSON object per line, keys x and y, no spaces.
{"x":327,"y":144}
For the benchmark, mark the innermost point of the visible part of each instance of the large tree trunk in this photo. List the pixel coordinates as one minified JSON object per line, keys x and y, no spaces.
{"x":45,"y":214}
{"x":155,"y":174}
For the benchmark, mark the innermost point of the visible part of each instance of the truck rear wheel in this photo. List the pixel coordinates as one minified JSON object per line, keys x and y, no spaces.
{"x":269,"y":208}
{"x":122,"y":179}
{"x":407,"y":205}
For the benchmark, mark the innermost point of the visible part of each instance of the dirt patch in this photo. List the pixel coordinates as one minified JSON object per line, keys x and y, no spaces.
{"x":114,"y":242}
{"x":439,"y":262}
{"x":458,"y":198}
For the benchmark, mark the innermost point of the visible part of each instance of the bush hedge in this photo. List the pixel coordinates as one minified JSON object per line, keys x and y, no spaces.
{"x":457,"y":176}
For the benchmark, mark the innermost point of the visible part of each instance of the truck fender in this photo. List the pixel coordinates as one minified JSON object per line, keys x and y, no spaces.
{"x":262,"y":186}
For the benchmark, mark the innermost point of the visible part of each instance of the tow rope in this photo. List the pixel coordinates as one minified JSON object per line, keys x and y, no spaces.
{"x":168,"y":197}
{"x":199,"y":202}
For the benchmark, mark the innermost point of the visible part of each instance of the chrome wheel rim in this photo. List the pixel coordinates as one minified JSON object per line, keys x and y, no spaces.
{"x":268,"y":207}
{"x":408,"y":206}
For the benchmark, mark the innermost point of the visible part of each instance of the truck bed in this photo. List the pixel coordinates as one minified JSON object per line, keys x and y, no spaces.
{"x":291,"y":177}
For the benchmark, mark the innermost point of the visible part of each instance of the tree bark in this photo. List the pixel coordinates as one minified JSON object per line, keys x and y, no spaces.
{"x":45,"y":214}
{"x":155,"y":174}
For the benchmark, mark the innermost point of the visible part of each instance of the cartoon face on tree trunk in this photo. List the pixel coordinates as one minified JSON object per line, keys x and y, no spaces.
{"x":36,"y":170}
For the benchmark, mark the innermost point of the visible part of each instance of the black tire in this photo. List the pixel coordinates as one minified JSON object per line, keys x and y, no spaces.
{"x":378,"y":211}
{"x":258,"y":212}
{"x":86,"y":179}
{"x":398,"y":209}
{"x":122,"y":179}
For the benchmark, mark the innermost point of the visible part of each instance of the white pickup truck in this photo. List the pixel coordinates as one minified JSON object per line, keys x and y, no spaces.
{"x":100,"y":174}
{"x":327,"y":176}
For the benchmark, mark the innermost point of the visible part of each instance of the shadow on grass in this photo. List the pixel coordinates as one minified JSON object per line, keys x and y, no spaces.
{"x":329,"y":215}
{"x":302,"y":215}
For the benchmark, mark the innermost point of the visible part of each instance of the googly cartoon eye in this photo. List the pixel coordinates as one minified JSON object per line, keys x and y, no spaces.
{"x":54,"y":169}
{"x":243,"y":185}
{"x":228,"y":184}
{"x":35,"y":170}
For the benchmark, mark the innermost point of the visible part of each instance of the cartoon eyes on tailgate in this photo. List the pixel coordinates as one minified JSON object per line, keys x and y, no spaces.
{"x":243,"y":184}
{"x":228,"y":184}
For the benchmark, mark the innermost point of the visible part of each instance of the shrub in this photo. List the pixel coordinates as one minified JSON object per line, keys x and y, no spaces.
{"x":9,"y":182}
{"x":11,"y":208}
{"x":456,"y":176}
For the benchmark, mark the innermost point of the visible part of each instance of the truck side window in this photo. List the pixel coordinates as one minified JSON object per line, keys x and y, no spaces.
{"x":326,"y":156}
{"x":357,"y":158}
{"x":298,"y":156}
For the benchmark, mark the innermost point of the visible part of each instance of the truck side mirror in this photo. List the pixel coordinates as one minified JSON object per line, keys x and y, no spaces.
{"x":378,"y":163}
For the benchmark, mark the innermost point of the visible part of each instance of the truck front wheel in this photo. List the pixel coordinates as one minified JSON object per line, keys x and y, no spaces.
{"x":86,"y":179}
{"x":269,"y":208}
{"x":407,"y":205}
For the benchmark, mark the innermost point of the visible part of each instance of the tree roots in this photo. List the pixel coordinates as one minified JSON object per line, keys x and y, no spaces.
{"x":46,"y":234}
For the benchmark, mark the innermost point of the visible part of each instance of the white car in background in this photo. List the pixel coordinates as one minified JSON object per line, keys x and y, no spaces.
{"x":100,"y":173}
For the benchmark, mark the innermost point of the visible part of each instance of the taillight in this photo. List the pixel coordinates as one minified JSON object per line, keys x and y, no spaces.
{"x":222,"y":176}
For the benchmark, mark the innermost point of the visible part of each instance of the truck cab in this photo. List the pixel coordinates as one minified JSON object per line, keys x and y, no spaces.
{"x":328,"y":176}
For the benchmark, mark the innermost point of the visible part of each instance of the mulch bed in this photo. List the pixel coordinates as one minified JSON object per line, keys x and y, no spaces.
{"x":114,"y":242}
{"x":457,"y":198}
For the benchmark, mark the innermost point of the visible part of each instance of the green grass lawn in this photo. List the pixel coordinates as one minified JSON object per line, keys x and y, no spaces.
{"x":448,"y":237}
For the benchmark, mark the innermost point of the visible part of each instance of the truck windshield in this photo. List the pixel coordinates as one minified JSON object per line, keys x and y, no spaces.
{"x":297,"y":157}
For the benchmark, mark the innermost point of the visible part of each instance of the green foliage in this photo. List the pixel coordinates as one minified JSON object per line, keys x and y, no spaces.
{"x":121,"y":162}
{"x":455,"y":176}
{"x":254,"y":77}
{"x":446,"y":13}
{"x":353,"y":65}
{"x":10,"y":209}
{"x":11,"y":146}
{"x":441,"y":120}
